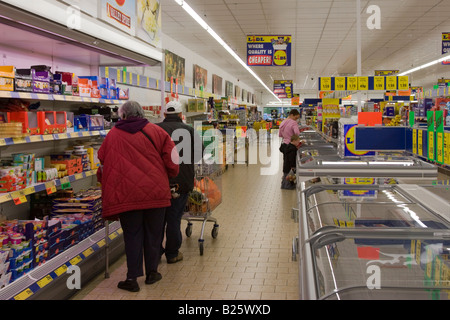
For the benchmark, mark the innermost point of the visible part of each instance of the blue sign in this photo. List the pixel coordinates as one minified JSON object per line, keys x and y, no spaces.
{"x":266,"y":51}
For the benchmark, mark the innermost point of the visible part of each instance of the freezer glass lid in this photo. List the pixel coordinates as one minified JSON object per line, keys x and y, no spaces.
{"x":363,"y":268}
{"x":368,"y":208}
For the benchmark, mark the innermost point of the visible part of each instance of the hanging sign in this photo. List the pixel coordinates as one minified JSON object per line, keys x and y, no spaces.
{"x":363,"y":83}
{"x":403,"y":83}
{"x":352,"y":83}
{"x":283,"y":88}
{"x":339,"y":83}
{"x":378,"y":83}
{"x":386,"y":72}
{"x":265,"y":50}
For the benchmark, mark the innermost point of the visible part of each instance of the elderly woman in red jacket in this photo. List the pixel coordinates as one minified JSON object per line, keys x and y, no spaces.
{"x":137,"y":160}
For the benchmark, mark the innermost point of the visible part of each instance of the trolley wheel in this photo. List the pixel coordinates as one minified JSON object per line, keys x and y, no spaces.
{"x":200,"y":246}
{"x":189,"y":229}
{"x":215,"y":231}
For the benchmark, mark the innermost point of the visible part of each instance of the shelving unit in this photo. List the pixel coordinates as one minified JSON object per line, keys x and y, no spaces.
{"x":69,"y":51}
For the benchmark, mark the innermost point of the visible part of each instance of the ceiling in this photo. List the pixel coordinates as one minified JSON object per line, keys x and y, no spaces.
{"x":323,"y":36}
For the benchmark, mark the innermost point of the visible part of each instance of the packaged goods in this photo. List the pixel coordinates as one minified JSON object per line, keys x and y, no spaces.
{"x":7,"y":75}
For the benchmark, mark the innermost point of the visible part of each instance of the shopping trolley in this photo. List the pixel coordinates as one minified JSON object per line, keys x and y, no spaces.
{"x":205,"y":197}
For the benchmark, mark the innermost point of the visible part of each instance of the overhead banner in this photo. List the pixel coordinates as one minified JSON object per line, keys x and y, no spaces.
{"x":149,"y":21}
{"x":379,"y":83}
{"x":266,"y":50}
{"x":121,"y":14}
{"x":386,"y":72}
{"x":283,"y":88}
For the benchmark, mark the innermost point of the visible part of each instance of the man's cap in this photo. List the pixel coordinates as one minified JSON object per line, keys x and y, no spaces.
{"x":173,"y":107}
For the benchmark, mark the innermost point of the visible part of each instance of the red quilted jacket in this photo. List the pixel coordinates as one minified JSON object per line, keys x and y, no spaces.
{"x":135,"y":175}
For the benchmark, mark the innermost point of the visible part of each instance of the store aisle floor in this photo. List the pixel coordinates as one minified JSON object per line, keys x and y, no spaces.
{"x":250,"y":259}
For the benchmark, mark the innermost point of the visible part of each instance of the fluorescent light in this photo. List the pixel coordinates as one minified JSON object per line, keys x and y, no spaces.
{"x":426,"y":65}
{"x":205,"y":26}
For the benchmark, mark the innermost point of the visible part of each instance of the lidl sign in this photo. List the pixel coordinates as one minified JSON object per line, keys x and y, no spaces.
{"x":266,"y":50}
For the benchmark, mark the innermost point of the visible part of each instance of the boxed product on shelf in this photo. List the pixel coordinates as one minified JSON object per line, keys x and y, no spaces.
{"x":56,"y":84}
{"x":81,"y":123}
{"x":75,"y":87}
{"x":192,"y":105}
{"x":85,"y":88}
{"x":12,"y":178}
{"x":28,"y":119}
{"x":69,"y":122}
{"x":24,"y":80}
{"x":52,"y":122}
{"x":7,"y":76}
{"x":95,"y":122}
{"x":66,"y":82}
{"x":7,"y":71}
{"x":11,"y":130}
{"x":41,"y":81}
{"x":123,"y":94}
{"x":89,"y":86}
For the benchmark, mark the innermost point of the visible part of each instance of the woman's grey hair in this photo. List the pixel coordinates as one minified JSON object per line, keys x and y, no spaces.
{"x":131,"y":109}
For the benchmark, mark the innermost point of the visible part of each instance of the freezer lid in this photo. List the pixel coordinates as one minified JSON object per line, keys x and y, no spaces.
{"x":393,"y":168}
{"x":363,"y":267}
{"x":368,"y":205}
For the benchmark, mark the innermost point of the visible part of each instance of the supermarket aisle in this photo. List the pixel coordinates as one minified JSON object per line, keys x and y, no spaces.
{"x":250,"y":259}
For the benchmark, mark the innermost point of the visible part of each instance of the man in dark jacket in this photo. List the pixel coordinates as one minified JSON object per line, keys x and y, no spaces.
{"x":190,"y":148}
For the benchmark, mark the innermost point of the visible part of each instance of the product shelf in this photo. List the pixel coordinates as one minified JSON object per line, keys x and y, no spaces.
{"x":56,"y":97}
{"x":18,"y":196}
{"x":52,"y":137}
{"x":49,"y":280}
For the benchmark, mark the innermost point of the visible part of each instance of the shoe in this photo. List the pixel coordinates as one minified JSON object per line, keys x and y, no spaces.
{"x":129,"y":285}
{"x":179,"y":257}
{"x":153,"y":277}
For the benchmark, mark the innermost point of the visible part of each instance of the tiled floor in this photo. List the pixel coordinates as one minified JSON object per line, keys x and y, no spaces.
{"x":250,"y":258}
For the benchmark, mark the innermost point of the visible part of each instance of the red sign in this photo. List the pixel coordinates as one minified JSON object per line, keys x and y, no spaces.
{"x":259,"y":60}
{"x":118,"y":16}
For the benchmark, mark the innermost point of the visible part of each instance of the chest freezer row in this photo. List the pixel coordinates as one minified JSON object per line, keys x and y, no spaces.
{"x":373,"y":241}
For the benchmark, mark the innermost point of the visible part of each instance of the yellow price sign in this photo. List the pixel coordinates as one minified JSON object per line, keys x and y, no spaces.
{"x":378,"y":83}
{"x":339,"y":83}
{"x":101,"y":243}
{"x":119,"y":75}
{"x":35,"y":138}
{"x":18,"y":197}
{"x":391,"y":83}
{"x":325,"y":84}
{"x":50,"y":187}
{"x":420,"y":142}
{"x":24,"y":295}
{"x":19,"y":140}
{"x":414,"y":141}
{"x":88,"y":252}
{"x":363,"y":83}
{"x":403,"y":83}
{"x":61,"y":270}
{"x":2,"y":142}
{"x":75,"y":260}
{"x":352,"y":83}
{"x":44,"y":281}
{"x":440,"y":147}
{"x":431,"y":145}
{"x":112,"y":236}
{"x":447,"y":148}
{"x":47,"y":137}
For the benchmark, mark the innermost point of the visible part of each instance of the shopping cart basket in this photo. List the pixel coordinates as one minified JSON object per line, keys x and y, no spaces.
{"x":205,"y":197}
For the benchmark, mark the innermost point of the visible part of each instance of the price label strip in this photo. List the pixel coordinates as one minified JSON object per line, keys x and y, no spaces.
{"x":62,"y":270}
{"x":50,"y":187}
